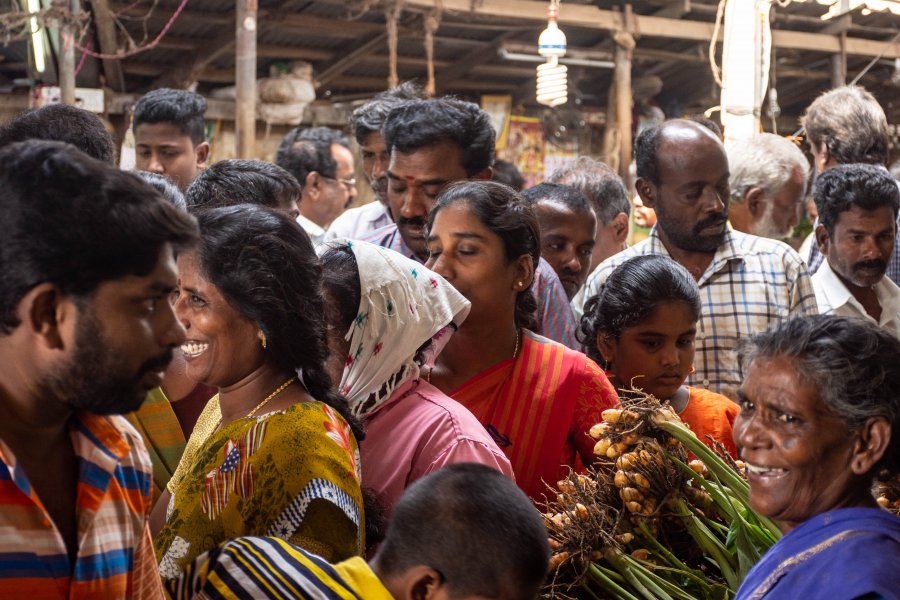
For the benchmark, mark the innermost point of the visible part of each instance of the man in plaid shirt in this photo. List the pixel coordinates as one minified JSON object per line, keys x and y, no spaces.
{"x":747,"y":283}
{"x":86,"y":330}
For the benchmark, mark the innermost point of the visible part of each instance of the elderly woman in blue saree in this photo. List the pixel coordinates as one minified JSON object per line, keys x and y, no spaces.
{"x":820,"y":404}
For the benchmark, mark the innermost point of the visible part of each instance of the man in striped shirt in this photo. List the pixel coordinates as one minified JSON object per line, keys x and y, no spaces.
{"x":86,"y":330}
{"x":465,"y":532}
{"x":747,"y":283}
{"x":433,"y":143}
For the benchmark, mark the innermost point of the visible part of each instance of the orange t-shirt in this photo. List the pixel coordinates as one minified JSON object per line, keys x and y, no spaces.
{"x":710,"y":414}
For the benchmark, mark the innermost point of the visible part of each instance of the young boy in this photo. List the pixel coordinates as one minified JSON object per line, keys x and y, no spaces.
{"x":170,"y":134}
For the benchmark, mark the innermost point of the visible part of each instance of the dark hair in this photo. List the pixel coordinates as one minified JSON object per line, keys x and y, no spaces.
{"x":602,"y":186}
{"x":566,"y":195}
{"x":76,"y":222}
{"x":340,"y":281}
{"x":165,"y":187}
{"x":266,"y":268}
{"x":850,"y":361}
{"x":370,"y":117}
{"x":506,"y":172}
{"x":181,"y":108}
{"x":630,"y":294}
{"x":239,"y":181}
{"x":62,"y":123}
{"x":420,"y":123}
{"x":851,"y":124}
{"x":472,"y":525}
{"x":841,"y":188}
{"x":646,"y":147}
{"x":303,"y":151}
{"x":506,"y":213}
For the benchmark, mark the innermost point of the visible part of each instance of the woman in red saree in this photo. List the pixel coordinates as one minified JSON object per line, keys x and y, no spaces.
{"x":537,"y":398}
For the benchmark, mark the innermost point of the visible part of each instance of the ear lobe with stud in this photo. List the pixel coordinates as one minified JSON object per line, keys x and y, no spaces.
{"x":692,"y":369}
{"x":262,"y":338}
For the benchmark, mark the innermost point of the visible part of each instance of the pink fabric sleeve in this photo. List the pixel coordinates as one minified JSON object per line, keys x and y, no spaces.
{"x":464,"y":450}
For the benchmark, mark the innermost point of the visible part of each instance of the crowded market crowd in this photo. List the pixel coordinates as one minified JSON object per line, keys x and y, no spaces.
{"x":219,"y":381}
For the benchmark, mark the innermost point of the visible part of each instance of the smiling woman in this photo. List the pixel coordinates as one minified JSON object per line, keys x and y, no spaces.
{"x":819,"y":415}
{"x":275,"y":451}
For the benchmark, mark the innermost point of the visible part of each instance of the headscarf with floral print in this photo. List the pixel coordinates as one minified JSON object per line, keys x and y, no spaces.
{"x":403,"y":305}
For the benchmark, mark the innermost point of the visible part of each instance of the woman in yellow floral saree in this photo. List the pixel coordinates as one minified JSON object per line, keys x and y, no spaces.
{"x":275,"y":452}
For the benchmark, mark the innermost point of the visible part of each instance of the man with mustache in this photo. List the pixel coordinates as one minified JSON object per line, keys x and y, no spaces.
{"x":844,"y":126}
{"x":858,"y":207}
{"x":366,"y":122}
{"x":746,"y":282}
{"x":433,"y":143}
{"x":86,"y":330}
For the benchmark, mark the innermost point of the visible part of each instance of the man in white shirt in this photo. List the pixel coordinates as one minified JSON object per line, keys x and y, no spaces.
{"x":321,"y":160}
{"x":857,"y":206}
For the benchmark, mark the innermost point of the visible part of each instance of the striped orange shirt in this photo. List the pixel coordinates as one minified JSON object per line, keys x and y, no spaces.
{"x":115,"y":555}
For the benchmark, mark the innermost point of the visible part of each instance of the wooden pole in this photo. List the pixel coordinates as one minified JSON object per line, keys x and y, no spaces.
{"x":245,"y":79}
{"x":839,"y":64}
{"x":106,"y":35}
{"x":67,"y":58}
{"x":622,"y":58}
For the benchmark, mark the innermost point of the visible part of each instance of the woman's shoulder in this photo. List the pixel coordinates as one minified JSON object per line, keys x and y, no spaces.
{"x":302,"y":416}
{"x":578,"y":377}
{"x":710,"y":401}
{"x":549,"y":349}
{"x":424,"y":407}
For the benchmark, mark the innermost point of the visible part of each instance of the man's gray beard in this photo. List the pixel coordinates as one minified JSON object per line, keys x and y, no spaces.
{"x":766,"y":226}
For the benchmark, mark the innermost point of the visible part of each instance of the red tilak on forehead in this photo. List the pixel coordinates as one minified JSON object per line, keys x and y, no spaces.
{"x":408,"y":178}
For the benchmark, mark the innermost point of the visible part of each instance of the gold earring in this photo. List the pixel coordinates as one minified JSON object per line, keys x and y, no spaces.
{"x":520,"y":285}
{"x":262,"y":338}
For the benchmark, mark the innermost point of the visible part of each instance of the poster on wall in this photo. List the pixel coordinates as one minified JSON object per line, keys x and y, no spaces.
{"x":525,"y":148}
{"x":556,"y":159}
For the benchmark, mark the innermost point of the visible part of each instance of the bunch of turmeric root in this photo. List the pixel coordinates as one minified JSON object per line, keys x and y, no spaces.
{"x":647,"y":522}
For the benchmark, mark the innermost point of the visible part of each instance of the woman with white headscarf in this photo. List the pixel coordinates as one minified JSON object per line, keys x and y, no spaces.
{"x":387,"y":317}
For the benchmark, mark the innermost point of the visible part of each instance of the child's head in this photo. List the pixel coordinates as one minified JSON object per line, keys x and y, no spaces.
{"x":465,"y":531}
{"x":170,"y":134}
{"x":641,"y":324}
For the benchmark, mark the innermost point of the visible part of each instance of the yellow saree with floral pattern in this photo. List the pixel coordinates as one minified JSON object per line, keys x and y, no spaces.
{"x":292,"y":474}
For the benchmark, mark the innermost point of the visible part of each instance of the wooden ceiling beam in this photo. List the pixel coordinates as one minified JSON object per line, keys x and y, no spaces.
{"x":159,"y":15}
{"x":354,"y":82}
{"x":187,"y":74}
{"x":209,"y":74}
{"x":472,"y":58}
{"x":322,"y":25}
{"x":675,"y":8}
{"x":589,"y":16}
{"x":350,"y":59}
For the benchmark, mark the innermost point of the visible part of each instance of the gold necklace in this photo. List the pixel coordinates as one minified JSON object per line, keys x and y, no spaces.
{"x":277,"y":391}
{"x":515,"y":353}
